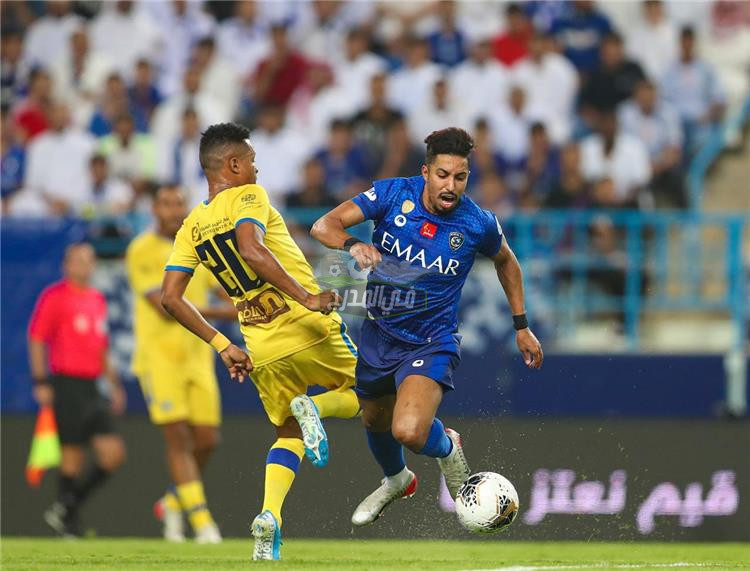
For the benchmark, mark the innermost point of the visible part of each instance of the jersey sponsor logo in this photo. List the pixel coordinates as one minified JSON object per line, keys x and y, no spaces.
{"x":418,"y":363}
{"x":248,"y":198}
{"x":407,"y":206}
{"x":263,"y":308}
{"x":196,"y":234}
{"x":393,"y":246}
{"x":428,"y":230}
{"x":370,"y":194}
{"x":400,"y":220}
{"x":456,"y":240}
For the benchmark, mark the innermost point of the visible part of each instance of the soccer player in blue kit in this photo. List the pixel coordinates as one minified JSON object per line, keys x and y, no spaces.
{"x":427,"y":234}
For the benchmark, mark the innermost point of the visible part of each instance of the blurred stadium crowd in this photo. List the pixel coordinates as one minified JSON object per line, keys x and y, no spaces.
{"x":572,"y":104}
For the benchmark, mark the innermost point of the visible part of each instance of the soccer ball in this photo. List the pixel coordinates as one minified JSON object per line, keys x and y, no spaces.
{"x":486,"y":502}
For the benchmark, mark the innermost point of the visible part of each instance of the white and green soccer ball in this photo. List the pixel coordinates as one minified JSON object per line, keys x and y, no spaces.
{"x":486,"y":503}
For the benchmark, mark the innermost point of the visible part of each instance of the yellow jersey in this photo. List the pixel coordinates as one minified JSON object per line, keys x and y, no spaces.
{"x":273,"y":324}
{"x":154,"y":334}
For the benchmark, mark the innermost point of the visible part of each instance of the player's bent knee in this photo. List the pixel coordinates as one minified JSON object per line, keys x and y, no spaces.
{"x":112,"y":455}
{"x":289,"y":429}
{"x":207,"y":440}
{"x":410,"y":435}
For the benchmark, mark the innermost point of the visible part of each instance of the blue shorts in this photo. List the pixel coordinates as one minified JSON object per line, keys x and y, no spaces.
{"x":384,"y":361}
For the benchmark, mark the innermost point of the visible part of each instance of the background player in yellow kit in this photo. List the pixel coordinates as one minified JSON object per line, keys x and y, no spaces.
{"x":176,"y":370}
{"x":294,"y":336}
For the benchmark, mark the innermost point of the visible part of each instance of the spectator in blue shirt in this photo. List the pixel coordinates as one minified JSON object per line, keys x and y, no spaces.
{"x":580,"y":31}
{"x":345,"y":164}
{"x":144,"y":96}
{"x":448,"y":44}
{"x":13,"y":158}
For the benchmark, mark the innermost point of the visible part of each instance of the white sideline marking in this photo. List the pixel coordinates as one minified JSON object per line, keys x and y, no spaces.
{"x":593,"y":566}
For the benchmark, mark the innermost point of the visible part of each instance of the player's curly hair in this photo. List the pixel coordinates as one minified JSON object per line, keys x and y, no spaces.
{"x":450,"y":141}
{"x":216,"y":139}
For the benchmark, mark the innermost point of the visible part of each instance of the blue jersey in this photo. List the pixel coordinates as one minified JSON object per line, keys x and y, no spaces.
{"x":413,"y":294}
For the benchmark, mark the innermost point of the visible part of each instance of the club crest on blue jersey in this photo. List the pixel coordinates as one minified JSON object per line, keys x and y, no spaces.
{"x":456,"y":240}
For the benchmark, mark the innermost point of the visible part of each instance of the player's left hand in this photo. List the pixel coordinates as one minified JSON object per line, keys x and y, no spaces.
{"x":530,"y":348}
{"x":325,"y":302}
{"x":119,"y":400}
{"x":237,"y":362}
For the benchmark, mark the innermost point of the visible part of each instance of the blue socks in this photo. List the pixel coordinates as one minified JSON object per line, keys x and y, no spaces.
{"x":387,"y":451}
{"x":438,"y":444}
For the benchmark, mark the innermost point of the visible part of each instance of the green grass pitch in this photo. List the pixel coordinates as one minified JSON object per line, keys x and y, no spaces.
{"x":133,"y":553}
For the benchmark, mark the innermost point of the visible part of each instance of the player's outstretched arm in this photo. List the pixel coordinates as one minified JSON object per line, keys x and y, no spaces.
{"x":511,"y":278}
{"x":172,"y":298}
{"x":330,"y":230}
{"x":269,"y":269}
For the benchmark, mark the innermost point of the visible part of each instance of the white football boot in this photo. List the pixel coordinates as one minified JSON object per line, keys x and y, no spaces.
{"x":313,"y":434}
{"x":208,"y":535}
{"x":267,"y":534}
{"x":173,"y":525}
{"x":454,"y":466}
{"x":373,"y":505}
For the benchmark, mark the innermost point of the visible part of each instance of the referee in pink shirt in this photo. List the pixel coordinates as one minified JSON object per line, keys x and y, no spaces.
{"x":68,"y":352}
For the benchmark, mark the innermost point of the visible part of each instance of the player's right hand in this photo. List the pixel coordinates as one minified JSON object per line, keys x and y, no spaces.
{"x":325,"y":302}
{"x":367,"y":255}
{"x":237,"y":362}
{"x":44,"y":394}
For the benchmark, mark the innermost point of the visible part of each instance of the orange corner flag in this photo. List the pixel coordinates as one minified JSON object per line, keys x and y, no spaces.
{"x":45,"y":447}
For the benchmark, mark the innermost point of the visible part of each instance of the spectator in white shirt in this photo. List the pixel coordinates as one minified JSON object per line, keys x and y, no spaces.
{"x":483,"y":81}
{"x":281,"y":152}
{"x":185,"y":23}
{"x":57,"y":168}
{"x":243,"y":39}
{"x":411,"y":85}
{"x":123,"y":33}
{"x":551,"y":85}
{"x":623,"y":158}
{"x":319,"y":28}
{"x":657,"y":125}
{"x":439,"y":111}
{"x":177,"y":160}
{"x":358,"y":66}
{"x":693,"y":88}
{"x":510,"y":126}
{"x":316,"y":103}
{"x":219,"y":79}
{"x":653,"y":41}
{"x":47,"y":38}
{"x":80,"y":75}
{"x":106,"y":195}
{"x":165,"y":124}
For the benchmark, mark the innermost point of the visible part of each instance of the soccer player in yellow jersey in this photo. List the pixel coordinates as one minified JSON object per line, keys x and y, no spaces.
{"x":176,"y":370}
{"x":290,"y":327}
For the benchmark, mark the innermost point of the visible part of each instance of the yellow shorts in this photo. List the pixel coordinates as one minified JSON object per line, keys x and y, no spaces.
{"x":329,"y":364}
{"x":185,"y":391}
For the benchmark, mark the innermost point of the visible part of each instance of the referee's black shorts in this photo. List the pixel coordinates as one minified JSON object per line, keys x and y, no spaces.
{"x":81,"y":411}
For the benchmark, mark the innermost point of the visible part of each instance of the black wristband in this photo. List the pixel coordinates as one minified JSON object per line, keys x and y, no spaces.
{"x":520,"y":322}
{"x":41,"y":382}
{"x":351,"y":242}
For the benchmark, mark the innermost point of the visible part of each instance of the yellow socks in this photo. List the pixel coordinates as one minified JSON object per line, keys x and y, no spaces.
{"x":171,"y":501}
{"x":193,"y":502}
{"x":340,"y":404}
{"x":281,"y":468}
